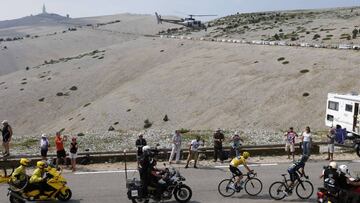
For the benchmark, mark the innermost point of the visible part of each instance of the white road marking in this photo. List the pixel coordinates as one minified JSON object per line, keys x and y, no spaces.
{"x":132,"y":170}
{"x":104,"y":172}
{"x":274,"y":164}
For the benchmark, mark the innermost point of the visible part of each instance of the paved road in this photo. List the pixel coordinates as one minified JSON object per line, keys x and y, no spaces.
{"x":110,"y":187}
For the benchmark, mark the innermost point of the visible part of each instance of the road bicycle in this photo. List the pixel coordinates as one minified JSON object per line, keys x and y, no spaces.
{"x":252,"y":185}
{"x":280,"y":189}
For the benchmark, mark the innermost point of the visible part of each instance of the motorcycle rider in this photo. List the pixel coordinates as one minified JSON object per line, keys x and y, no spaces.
{"x":346,"y":182}
{"x":331,"y":177}
{"x":37,"y":179}
{"x":295,"y":169}
{"x":158,"y":179}
{"x":234,"y":164}
{"x":145,"y":168}
{"x":18,"y":177}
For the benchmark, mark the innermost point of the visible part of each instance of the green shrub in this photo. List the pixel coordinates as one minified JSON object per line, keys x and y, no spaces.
{"x":147,"y":124}
{"x":184,"y":130}
{"x":304,"y":71}
{"x":316,"y":36}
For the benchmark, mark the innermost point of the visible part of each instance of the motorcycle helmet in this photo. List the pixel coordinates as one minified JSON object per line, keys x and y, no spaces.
{"x":333,"y":165}
{"x":145,"y":148}
{"x":344,"y":169}
{"x":24,"y":161}
{"x":246,"y":155}
{"x":40,"y":164}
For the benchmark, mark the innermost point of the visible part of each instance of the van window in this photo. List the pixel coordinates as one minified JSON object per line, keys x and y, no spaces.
{"x":333,"y":105}
{"x":348,"y":107}
{"x":330,"y":117}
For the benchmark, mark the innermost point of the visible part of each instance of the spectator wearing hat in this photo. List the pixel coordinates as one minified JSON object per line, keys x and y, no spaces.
{"x":331,"y":144}
{"x":60,"y":150}
{"x":140,"y":143}
{"x":6,"y":135}
{"x":73,"y":153}
{"x":236,"y":143}
{"x":218,"y":140}
{"x":44,"y":146}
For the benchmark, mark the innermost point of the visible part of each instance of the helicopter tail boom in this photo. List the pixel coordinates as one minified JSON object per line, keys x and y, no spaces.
{"x":158,"y":18}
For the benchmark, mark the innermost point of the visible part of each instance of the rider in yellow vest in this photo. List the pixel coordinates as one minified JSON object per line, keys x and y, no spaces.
{"x":37,"y":177}
{"x":19,"y":174}
{"x":235,"y":163}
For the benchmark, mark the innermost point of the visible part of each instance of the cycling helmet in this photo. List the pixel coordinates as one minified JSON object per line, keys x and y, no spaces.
{"x":304,"y":158}
{"x":40,"y":164}
{"x":24,"y":161}
{"x":333,"y":165}
{"x":246,"y":155}
{"x":344,"y":169}
{"x":145,"y":148}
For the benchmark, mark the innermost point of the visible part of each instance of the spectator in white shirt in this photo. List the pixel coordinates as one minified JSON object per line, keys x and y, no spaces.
{"x":306,"y":137}
{"x":193,"y":151}
{"x":176,"y":147}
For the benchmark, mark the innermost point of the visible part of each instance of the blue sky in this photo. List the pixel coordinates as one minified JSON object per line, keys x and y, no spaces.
{"x":11,"y":9}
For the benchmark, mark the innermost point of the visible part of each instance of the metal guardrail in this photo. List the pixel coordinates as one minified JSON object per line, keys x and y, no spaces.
{"x":167,"y":150}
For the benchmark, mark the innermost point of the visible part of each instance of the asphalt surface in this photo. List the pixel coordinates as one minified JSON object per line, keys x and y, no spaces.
{"x":109,"y":187}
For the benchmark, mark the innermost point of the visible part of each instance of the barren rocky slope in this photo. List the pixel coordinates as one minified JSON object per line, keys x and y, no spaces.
{"x":118,"y":75}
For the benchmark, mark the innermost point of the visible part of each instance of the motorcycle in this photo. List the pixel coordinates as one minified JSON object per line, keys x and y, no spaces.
{"x":28,"y":192}
{"x":325,"y":196}
{"x":357,"y":146}
{"x":339,"y":196}
{"x":356,"y":142}
{"x":174,"y":186}
{"x":5,"y":178}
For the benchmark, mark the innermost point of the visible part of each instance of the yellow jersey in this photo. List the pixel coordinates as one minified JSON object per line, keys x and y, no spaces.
{"x":37,"y":175}
{"x":236,"y":162}
{"x":19,"y":174}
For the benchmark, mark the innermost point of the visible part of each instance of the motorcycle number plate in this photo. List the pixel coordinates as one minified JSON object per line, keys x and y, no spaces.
{"x":134,"y":193}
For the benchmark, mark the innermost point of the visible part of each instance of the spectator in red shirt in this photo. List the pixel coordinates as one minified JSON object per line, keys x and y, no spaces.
{"x":60,"y":150}
{"x":290,"y":142}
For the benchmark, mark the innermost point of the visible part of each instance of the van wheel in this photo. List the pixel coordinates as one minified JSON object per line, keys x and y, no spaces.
{"x":358,"y":150}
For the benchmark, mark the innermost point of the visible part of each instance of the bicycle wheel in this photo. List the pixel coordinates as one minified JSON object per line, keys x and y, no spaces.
{"x":277,"y":190}
{"x":224,"y":188}
{"x":253,"y":186}
{"x":304,"y":189}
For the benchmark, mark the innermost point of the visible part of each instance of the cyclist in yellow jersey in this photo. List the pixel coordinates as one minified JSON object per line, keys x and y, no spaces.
{"x":235,"y":163}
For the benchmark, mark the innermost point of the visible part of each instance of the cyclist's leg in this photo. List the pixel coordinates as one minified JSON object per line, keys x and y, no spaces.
{"x":237,"y":173}
{"x":293,"y":177}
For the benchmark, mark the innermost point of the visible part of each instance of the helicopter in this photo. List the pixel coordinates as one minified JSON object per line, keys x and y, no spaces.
{"x":187,"y":22}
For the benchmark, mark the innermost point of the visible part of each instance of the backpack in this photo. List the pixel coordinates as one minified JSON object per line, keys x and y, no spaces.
{"x":331,"y":178}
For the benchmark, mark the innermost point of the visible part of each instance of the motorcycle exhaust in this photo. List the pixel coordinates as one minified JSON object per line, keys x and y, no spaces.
{"x":11,"y":193}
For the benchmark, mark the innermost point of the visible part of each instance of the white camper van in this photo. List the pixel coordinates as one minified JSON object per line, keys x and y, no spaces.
{"x":343,"y":110}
